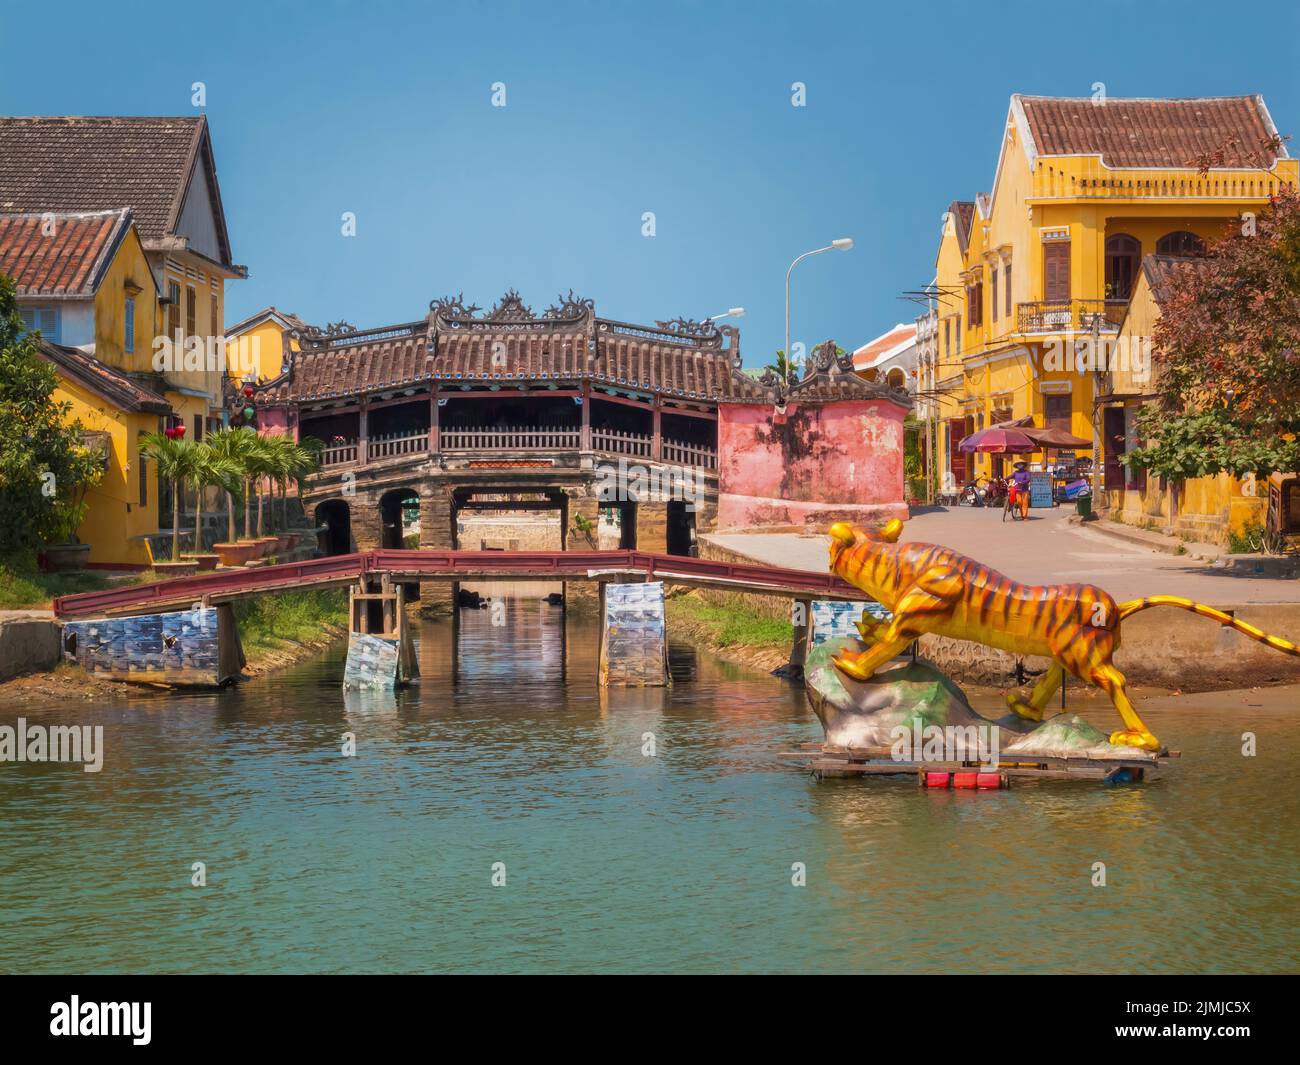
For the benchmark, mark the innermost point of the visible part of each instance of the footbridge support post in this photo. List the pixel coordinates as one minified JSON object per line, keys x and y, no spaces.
{"x":633,"y":649}
{"x":381,"y":648}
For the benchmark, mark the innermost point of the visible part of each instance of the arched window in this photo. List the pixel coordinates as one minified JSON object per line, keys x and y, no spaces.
{"x":896,"y":379}
{"x":1123,"y":253}
{"x":1180,"y":243}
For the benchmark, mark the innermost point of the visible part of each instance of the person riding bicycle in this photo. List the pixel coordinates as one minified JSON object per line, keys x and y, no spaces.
{"x":1020,"y":488}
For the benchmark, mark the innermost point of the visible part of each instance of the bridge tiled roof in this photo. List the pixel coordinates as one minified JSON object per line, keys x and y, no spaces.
{"x":512,"y":344}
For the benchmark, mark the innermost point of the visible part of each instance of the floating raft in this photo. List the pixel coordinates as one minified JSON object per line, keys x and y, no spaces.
{"x":825,"y":761}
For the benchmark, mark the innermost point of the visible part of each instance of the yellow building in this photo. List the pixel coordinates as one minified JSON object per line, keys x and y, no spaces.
{"x":1033,"y":280}
{"x":163,"y":168}
{"x":84,"y":281}
{"x":1209,"y":509}
{"x":175,"y":254}
{"x":256,"y":346}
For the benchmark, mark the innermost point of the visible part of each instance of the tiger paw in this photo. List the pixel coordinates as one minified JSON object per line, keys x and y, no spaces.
{"x":848,"y":663}
{"x":867,"y":628}
{"x":1134,"y":738}
{"x":1022,"y":709}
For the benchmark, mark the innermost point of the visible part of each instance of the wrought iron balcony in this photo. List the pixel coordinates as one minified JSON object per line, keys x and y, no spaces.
{"x":1070,"y":316}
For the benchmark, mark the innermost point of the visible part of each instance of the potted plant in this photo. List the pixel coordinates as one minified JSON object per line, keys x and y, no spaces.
{"x":67,"y":552}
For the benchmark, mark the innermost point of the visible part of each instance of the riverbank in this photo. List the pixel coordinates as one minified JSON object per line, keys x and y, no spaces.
{"x":747,"y":639}
{"x":275,"y":632}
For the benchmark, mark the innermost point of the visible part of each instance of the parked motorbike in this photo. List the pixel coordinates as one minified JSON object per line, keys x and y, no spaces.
{"x":996,"y":495}
{"x":973,"y":494}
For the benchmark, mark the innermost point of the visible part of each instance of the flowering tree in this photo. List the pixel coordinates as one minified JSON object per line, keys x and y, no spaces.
{"x":1227,"y":356}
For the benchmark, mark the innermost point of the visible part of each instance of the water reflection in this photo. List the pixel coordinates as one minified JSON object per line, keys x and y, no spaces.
{"x":506,"y":750}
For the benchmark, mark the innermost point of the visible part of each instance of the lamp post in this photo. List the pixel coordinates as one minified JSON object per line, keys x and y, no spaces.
{"x":842,"y":244}
{"x":735,"y":312}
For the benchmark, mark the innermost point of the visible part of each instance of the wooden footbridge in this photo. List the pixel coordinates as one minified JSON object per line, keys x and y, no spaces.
{"x":407,"y":567}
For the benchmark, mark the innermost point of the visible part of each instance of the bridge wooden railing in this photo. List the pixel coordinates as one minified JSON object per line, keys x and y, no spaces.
{"x":614,"y":442}
{"x":546,"y":438}
{"x":228,"y":585}
{"x":387,"y":447}
{"x":485,"y":438}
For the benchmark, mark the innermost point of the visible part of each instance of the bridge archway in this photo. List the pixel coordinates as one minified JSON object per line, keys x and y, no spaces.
{"x":399,"y":517}
{"x":337,"y":519}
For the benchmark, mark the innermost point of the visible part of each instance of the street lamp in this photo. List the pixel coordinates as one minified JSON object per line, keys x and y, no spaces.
{"x":735,"y":312}
{"x":842,"y":244}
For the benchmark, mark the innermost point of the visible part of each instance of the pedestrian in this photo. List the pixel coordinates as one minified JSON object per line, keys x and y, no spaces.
{"x":1020,"y":488}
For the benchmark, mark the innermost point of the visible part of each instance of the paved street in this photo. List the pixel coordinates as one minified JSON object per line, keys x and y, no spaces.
{"x":1044,"y":550}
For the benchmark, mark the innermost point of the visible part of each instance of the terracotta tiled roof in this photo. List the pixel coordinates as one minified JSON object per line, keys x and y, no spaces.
{"x":106,"y":381}
{"x":60,"y":254}
{"x":878,"y":350}
{"x":963,"y":213}
{"x":1154,"y":133}
{"x":459,"y":348}
{"x":75,"y":163}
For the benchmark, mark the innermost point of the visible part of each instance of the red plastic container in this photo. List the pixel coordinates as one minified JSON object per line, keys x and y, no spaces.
{"x":965,"y":780}
{"x":937,"y":780}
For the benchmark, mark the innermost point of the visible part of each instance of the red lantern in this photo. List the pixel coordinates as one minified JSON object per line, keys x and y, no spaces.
{"x":180,"y":431}
{"x":248,"y":390}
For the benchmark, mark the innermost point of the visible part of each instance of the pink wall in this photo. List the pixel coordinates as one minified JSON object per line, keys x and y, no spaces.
{"x":816,"y":464}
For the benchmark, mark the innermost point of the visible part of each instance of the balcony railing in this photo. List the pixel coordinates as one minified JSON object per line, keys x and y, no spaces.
{"x":497,"y":439}
{"x":1070,"y":316}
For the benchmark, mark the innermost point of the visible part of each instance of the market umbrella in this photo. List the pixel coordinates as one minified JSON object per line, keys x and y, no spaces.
{"x":1053,"y":437}
{"x":997,"y":440}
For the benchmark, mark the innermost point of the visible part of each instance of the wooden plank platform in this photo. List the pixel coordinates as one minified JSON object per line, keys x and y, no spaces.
{"x":828,"y":760}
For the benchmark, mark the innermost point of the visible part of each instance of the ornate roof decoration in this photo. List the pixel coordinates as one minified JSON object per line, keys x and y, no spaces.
{"x":452,"y":307}
{"x":511,"y":308}
{"x":329,"y":329}
{"x":689,"y":327}
{"x":570,"y":307}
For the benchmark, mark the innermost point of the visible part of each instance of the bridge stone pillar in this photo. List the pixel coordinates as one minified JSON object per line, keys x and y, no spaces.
{"x":437,"y":598}
{"x":367,"y":522}
{"x":652,"y":525}
{"x":583,"y":509}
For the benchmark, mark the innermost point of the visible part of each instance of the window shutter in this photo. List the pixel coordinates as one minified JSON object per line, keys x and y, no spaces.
{"x":1056,"y":271}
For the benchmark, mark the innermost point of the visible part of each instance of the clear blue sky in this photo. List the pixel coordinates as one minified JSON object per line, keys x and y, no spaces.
{"x":615,"y":109}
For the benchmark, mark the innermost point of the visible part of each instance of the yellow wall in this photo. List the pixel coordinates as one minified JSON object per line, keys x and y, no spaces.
{"x":998,"y":366}
{"x":261,"y":345}
{"x":128,"y":268}
{"x":114,"y":518}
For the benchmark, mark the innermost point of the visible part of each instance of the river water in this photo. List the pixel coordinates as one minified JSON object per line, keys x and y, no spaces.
{"x":613,"y":860}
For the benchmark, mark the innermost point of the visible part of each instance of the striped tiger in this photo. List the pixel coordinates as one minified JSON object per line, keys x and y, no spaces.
{"x":931,"y":589}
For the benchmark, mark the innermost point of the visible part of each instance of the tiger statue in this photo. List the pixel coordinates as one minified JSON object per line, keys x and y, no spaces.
{"x":932,"y":589}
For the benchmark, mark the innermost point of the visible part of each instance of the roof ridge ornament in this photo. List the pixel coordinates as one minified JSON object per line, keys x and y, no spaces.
{"x":452,"y":307}
{"x":570,"y":307}
{"x":689,"y":327}
{"x":511,"y":308}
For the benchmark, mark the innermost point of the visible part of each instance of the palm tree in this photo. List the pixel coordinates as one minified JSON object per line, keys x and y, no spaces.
{"x":209,"y":467}
{"x":176,"y":459}
{"x":282,"y":447}
{"x":785,"y":368}
{"x":259,"y":463}
{"x":234,"y":445}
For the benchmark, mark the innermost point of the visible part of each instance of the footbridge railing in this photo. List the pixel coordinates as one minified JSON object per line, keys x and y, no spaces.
{"x":415,"y":565}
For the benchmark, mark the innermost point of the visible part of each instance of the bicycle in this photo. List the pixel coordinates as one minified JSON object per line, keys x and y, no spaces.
{"x":1012,"y":506}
